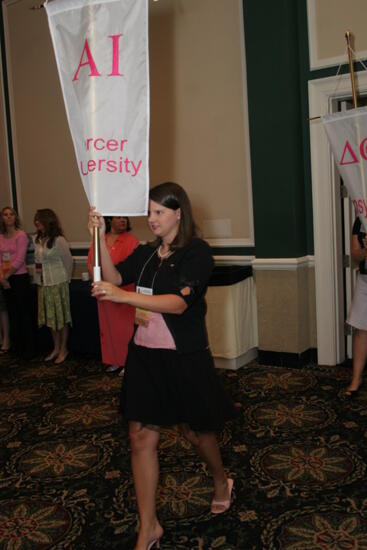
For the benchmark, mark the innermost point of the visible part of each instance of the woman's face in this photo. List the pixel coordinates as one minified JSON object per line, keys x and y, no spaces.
{"x":8,"y":218}
{"x":163,"y":221}
{"x":118,"y":224}
{"x":38,"y":225}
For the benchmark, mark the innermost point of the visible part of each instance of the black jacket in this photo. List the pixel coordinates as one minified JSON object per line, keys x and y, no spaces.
{"x":190,"y":266}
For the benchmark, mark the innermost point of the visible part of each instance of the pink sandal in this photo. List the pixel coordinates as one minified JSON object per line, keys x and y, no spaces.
{"x":220,"y":506}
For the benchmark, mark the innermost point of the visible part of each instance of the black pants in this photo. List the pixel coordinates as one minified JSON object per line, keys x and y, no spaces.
{"x":19,"y":306}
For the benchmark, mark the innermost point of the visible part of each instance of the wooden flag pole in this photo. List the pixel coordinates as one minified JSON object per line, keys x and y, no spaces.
{"x":348,"y":35}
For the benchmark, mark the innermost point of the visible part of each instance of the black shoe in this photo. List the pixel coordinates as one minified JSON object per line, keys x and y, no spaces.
{"x":113,"y":368}
{"x":351,"y":394}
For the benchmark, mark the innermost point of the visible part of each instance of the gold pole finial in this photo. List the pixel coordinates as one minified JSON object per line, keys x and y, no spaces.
{"x":348,"y":36}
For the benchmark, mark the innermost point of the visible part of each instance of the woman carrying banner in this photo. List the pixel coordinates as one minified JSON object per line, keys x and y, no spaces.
{"x":116,"y":321}
{"x":15,"y":283}
{"x":169,"y":376}
{"x":54,"y":265}
{"x":358,"y":312}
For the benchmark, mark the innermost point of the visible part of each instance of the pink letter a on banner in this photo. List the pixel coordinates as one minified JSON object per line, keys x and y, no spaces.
{"x":348,"y":148}
{"x":90,"y":62}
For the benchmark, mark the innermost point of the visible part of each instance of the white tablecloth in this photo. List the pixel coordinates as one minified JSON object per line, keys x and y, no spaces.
{"x":232,"y":319}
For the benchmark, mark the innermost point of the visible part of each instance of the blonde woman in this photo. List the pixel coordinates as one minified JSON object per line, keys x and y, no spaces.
{"x":15,"y":283}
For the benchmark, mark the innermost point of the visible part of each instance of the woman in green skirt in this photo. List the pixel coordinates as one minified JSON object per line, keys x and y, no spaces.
{"x":53,"y":262}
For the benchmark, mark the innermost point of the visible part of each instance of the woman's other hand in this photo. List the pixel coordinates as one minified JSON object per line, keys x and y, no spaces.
{"x":4,"y":283}
{"x":103,"y":290}
{"x":96,"y":220}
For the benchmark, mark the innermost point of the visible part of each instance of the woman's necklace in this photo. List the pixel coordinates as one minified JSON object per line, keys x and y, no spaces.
{"x":111,"y":239}
{"x":165,"y":255}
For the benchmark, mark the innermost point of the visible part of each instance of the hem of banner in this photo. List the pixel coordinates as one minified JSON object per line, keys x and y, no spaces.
{"x":332,"y":117}
{"x":54,"y":7}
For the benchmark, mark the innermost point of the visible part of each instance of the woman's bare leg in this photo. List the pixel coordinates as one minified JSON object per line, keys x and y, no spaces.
{"x":359,"y":358}
{"x":63,"y":349}
{"x":145,"y":467}
{"x":56,"y":340}
{"x":208,"y":449}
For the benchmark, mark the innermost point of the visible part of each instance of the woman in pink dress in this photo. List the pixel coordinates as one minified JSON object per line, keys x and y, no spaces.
{"x":116,"y":321}
{"x":15,"y":283}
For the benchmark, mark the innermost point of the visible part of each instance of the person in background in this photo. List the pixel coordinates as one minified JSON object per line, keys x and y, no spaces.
{"x":358,"y":312}
{"x":169,"y":376}
{"x":15,"y":283}
{"x":53,"y":267}
{"x":116,"y":321}
{"x":4,"y":324}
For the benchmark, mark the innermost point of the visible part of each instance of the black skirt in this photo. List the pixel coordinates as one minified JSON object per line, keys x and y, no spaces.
{"x":163,"y":387}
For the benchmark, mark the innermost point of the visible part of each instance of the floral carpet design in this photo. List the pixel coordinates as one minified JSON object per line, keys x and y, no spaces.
{"x":297,"y":453}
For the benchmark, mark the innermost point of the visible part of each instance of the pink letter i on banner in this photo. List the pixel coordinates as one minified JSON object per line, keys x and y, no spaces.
{"x":115,"y":55}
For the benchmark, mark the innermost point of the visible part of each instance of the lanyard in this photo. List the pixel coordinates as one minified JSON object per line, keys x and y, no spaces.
{"x":143,"y":268}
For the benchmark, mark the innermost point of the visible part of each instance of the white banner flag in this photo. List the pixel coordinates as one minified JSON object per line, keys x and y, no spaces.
{"x":101,"y":49}
{"x":347,"y":134}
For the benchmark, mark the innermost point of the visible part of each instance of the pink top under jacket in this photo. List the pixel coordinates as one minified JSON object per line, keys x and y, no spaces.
{"x":155,"y":335}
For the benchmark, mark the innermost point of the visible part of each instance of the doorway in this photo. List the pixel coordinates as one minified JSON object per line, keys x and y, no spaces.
{"x":324,"y":95}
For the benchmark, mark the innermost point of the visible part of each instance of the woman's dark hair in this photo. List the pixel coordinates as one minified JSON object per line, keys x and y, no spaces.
{"x":51,"y":225}
{"x":173,"y":196}
{"x":17,"y":223}
{"x":108,"y":219}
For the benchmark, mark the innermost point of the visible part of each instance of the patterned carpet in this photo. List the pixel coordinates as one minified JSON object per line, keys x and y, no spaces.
{"x":297,"y":453}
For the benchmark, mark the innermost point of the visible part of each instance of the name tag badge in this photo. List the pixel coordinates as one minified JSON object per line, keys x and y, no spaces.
{"x":144,"y":290}
{"x":142,"y":316}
